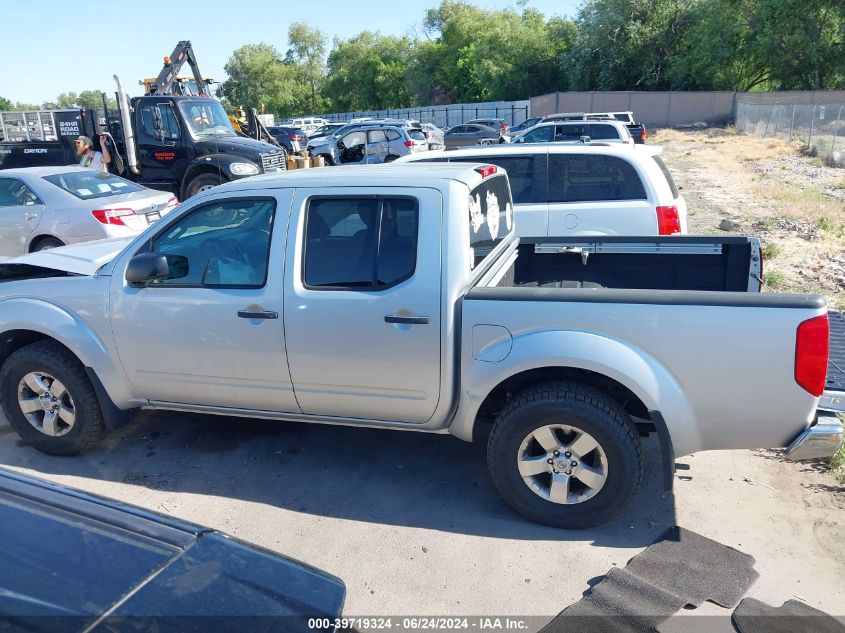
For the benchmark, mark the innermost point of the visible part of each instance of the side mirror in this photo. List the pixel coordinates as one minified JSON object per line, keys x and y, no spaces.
{"x":147,"y":267}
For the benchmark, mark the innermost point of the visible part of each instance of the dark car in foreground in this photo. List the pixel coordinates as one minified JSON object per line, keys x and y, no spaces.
{"x":71,"y":561}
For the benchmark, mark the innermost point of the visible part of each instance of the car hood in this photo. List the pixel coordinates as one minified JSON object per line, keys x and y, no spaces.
{"x":236,"y":145}
{"x":78,"y":259}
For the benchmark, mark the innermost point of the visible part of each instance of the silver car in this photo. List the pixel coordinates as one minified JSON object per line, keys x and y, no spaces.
{"x":46,"y":207}
{"x":373,"y":144}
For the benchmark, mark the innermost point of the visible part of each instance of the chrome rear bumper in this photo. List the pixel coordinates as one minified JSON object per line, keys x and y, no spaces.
{"x":823,"y":439}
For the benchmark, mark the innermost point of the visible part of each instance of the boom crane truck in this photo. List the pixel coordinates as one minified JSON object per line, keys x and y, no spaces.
{"x":173,"y":142}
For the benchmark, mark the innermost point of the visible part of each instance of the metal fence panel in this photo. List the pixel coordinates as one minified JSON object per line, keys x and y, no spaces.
{"x":513,"y":112}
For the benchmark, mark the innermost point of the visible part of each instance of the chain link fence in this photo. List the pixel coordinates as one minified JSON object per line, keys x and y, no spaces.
{"x":818,"y":126}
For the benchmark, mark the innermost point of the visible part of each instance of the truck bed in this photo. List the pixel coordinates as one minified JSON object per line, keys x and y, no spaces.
{"x":652,"y":263}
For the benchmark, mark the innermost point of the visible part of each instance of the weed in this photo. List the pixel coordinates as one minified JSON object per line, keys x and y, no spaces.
{"x":770,"y":251}
{"x":826,"y":224}
{"x":774,"y":279}
{"x":837,"y":464}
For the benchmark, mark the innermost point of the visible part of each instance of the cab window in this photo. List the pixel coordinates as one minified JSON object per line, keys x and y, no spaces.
{"x":223,"y":244}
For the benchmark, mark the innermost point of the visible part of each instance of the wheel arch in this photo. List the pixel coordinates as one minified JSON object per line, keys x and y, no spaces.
{"x":38,"y":239}
{"x":629,"y":375}
{"x":34,"y":320}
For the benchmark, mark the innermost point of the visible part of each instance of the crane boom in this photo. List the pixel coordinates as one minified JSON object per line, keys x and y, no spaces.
{"x":183,"y":52}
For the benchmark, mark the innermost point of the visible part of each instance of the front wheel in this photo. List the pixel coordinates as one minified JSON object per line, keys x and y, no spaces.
{"x":49,"y":400}
{"x":203,"y":182}
{"x":566,"y":455}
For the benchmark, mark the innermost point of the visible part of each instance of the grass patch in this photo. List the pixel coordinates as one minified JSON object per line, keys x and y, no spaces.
{"x":774,"y":279}
{"x":770,"y":251}
{"x":837,"y":464}
{"x":826,"y":224}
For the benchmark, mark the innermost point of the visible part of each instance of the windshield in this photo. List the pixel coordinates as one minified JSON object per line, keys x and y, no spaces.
{"x":206,"y":118}
{"x":87,"y":185}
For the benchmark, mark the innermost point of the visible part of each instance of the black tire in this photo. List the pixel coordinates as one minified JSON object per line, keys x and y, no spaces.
{"x":46,"y":243}
{"x":51,"y":358}
{"x":588,"y":410}
{"x":390,"y":158}
{"x":202,"y":182}
{"x":328,"y":159}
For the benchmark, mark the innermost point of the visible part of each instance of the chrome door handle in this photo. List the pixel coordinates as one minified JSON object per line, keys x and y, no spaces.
{"x":30,"y":216}
{"x":408,"y":320}
{"x":258,"y":314}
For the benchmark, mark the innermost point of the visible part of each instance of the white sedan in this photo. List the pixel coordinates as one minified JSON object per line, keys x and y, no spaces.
{"x":46,"y":207}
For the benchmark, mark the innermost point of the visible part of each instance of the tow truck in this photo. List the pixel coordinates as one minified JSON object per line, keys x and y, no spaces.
{"x":172,"y":142}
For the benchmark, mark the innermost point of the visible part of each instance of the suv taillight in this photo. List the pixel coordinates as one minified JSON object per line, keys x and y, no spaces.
{"x":111,"y":216}
{"x":668,"y":220}
{"x":643,"y":135}
{"x":295,"y":137}
{"x":812,"y":344}
{"x":409,"y":143}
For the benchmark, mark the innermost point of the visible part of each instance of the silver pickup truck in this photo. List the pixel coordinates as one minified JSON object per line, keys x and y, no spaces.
{"x":398,"y":297}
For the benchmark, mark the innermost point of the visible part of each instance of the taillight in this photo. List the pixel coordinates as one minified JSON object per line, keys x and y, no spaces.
{"x":668,"y":220}
{"x":409,"y":143}
{"x":295,"y":137}
{"x":643,"y":135}
{"x":111,"y":216}
{"x":172,"y":202}
{"x":812,"y":342}
{"x":487,"y":170}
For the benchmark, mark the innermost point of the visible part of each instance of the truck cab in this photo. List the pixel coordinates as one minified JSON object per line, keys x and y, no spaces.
{"x":187,"y":145}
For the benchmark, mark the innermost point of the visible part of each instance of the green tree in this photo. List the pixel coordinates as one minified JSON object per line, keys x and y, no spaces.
{"x":495,"y":55}
{"x":368,"y":72}
{"x":307,"y":54}
{"x":67,"y":100}
{"x":5,"y":104}
{"x":260,"y":79}
{"x":629,"y":44}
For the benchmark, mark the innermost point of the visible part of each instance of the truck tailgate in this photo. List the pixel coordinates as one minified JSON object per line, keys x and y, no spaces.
{"x":833,"y":398}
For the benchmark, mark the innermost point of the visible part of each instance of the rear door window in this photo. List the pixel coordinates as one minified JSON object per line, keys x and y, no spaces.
{"x":592,"y":178}
{"x":361,"y":243}
{"x":570,"y":132}
{"x":416,"y":135}
{"x":490,"y":217}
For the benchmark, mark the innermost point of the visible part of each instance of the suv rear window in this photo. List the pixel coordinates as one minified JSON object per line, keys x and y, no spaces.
{"x":416,"y":135}
{"x":599,"y":131}
{"x":490,"y":217}
{"x":87,"y":185}
{"x":592,"y":178}
{"x":666,"y":173}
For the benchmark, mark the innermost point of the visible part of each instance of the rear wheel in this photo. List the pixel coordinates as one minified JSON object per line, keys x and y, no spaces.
{"x":328,"y":159}
{"x":49,"y":400}
{"x":203,"y":182}
{"x":46,"y":243}
{"x":566,"y":455}
{"x":390,"y":158}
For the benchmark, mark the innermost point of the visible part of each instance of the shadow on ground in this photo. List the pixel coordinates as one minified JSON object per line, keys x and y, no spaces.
{"x":387,"y":477}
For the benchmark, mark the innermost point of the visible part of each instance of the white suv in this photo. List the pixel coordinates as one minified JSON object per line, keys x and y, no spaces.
{"x":587,"y":189}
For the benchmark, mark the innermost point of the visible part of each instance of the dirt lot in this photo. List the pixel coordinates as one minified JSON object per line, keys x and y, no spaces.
{"x":411,"y":522}
{"x":764,"y":187}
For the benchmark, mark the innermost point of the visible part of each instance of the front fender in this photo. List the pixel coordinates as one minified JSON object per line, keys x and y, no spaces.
{"x":69,"y":329}
{"x":216,"y":163}
{"x":632,"y":367}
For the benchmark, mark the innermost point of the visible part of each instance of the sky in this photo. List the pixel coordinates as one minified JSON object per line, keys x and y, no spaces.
{"x":64,"y":46}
